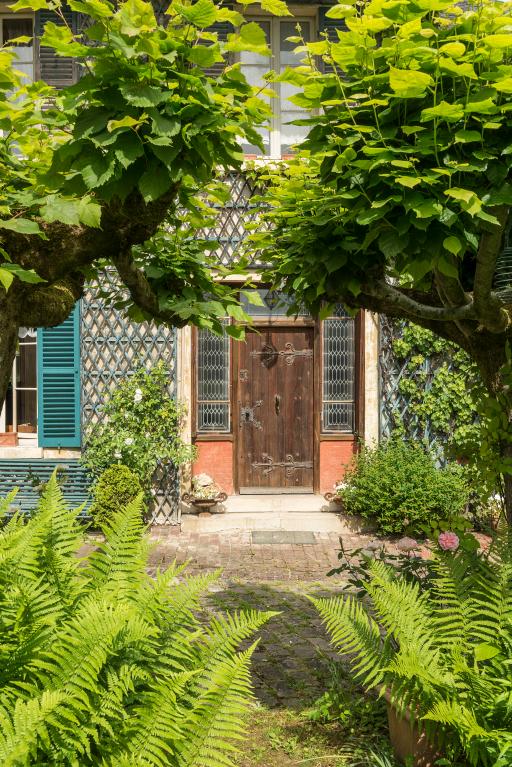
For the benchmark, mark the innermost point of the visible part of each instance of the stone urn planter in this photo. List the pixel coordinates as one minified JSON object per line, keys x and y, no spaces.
{"x":205,"y":493}
{"x":204,"y":504}
{"x":409,"y":740}
{"x":334,"y":498}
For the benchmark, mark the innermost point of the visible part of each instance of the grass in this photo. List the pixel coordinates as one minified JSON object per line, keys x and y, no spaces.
{"x":343,"y":728}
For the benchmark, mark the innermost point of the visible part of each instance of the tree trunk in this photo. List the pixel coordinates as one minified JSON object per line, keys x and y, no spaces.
{"x":8,"y":345}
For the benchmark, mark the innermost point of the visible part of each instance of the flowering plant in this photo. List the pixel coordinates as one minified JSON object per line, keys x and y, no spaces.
{"x":139,"y":426}
{"x":204,"y":488}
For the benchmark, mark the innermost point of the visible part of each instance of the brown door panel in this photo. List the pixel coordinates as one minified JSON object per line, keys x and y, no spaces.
{"x":275,"y":441}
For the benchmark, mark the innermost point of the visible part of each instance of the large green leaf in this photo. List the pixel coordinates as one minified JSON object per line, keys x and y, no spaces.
{"x":408,"y":83}
{"x":202,"y":14}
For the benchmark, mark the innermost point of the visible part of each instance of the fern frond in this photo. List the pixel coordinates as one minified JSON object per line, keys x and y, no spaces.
{"x":118,"y":564}
{"x":353,"y":631}
{"x":215,"y":723}
{"x":29,"y":727}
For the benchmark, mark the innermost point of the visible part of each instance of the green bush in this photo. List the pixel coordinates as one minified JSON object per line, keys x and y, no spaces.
{"x":140,"y":427}
{"x":398,"y":485}
{"x":116,"y":488}
{"x":442,"y":654}
{"x":101,"y":664}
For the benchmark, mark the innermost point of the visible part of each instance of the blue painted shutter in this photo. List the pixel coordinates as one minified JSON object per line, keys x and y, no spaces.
{"x":58,"y":383}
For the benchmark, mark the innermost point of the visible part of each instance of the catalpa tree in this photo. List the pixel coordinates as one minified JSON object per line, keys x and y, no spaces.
{"x":107,"y":171}
{"x":399,"y":201}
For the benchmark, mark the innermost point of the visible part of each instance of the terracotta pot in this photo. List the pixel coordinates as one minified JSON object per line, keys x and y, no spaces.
{"x":8,"y":439}
{"x":408,"y":740}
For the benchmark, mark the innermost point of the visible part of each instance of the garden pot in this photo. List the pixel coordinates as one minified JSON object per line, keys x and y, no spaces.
{"x":8,"y":439}
{"x":333,"y":498}
{"x":408,"y":740}
{"x":203,"y":504}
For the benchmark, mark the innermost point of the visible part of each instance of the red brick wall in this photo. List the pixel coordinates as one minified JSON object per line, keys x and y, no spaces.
{"x":216,"y":459}
{"x":333,"y":459}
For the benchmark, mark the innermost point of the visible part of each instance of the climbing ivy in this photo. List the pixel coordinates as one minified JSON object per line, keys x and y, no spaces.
{"x":441,"y":386}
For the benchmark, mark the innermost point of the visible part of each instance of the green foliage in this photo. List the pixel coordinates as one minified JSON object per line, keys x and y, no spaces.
{"x":116,"y":488}
{"x":397,"y":485}
{"x":442,"y":387}
{"x":102,"y":664}
{"x":139,"y":426}
{"x":143,"y":133}
{"x":443,"y":654}
{"x":408,"y":154}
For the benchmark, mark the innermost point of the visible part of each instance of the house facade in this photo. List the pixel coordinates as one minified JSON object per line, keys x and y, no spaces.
{"x":281,"y":412}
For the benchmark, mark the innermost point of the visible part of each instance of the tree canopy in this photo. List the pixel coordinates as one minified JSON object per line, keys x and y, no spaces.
{"x":117,"y":168}
{"x":399,"y":197}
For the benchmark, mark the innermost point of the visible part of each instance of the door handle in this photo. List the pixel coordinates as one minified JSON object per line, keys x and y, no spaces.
{"x":277,"y":404}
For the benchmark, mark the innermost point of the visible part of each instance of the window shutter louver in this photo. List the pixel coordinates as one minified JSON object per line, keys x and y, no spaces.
{"x":58,"y":383}
{"x":223,"y":29}
{"x":330,"y":26}
{"x":54,"y":70}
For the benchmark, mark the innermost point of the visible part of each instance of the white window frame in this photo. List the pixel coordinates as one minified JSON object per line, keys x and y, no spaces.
{"x":28,"y":437}
{"x":275,"y":64}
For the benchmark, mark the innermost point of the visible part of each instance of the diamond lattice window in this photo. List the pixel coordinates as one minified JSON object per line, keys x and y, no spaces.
{"x":213,"y":375}
{"x":338,"y":391}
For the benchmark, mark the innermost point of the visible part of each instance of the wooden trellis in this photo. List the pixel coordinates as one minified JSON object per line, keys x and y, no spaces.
{"x":395,"y":410}
{"x":112,"y":347}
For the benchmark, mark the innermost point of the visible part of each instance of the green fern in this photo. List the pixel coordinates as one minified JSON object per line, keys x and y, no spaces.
{"x":443,"y":655}
{"x":100,"y":664}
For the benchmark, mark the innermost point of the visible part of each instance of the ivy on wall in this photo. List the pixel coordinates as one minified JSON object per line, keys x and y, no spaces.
{"x":440,"y":386}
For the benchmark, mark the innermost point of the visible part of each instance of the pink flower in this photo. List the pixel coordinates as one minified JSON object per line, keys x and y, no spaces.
{"x":448,"y":541}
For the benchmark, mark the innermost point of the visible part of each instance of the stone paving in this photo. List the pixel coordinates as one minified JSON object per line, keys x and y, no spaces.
{"x":292,"y":664}
{"x":239,"y":557}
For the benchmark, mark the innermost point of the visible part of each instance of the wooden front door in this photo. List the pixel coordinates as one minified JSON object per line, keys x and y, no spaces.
{"x":275,"y":403}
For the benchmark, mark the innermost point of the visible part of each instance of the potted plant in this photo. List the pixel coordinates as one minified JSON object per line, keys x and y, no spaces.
{"x":205,"y":493}
{"x":420,"y":637}
{"x":336,"y":497}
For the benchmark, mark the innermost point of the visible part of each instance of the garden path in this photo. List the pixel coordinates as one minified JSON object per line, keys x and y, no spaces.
{"x":293,"y":664}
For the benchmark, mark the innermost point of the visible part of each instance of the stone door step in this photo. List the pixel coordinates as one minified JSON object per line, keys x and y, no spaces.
{"x":315,"y":522}
{"x":257,"y":504}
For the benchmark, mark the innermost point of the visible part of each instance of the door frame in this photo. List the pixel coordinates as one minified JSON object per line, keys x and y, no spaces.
{"x":281,"y":322}
{"x":318,"y":437}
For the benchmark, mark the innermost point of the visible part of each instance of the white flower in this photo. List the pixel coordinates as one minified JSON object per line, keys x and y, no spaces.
{"x":128,"y":441}
{"x":117,"y":455}
{"x":137,"y":397}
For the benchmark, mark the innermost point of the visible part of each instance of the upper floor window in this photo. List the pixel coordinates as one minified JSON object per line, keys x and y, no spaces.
{"x":13,"y":27}
{"x":280,"y":137}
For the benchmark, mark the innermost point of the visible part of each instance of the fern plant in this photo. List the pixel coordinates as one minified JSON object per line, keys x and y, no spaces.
{"x":442,"y":655}
{"x":101,"y":664}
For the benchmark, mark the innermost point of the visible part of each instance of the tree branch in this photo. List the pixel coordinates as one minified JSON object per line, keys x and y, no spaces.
{"x":141,"y":292}
{"x":488,"y":308}
{"x":413,"y":309}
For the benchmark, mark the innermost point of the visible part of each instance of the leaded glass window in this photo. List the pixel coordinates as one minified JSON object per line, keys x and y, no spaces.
{"x":338,"y":393}
{"x":213,"y":377}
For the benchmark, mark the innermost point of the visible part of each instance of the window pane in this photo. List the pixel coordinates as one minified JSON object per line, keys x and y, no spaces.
{"x":26,"y":366}
{"x":255,"y":67}
{"x":213,"y":369}
{"x":291,"y":134}
{"x":12,"y":28}
{"x":338,"y":374}
{"x":275,"y":304}
{"x":26,"y":402}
